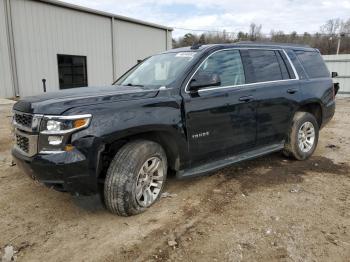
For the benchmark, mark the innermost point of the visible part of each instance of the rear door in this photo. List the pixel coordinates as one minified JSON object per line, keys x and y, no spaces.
{"x":220,"y":120}
{"x":277,"y":92}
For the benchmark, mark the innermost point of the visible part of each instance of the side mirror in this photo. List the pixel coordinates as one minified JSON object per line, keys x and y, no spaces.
{"x":204,"y":80}
{"x":334,"y":74}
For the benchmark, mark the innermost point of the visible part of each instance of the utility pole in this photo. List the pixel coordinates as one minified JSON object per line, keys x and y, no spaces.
{"x":339,"y":39}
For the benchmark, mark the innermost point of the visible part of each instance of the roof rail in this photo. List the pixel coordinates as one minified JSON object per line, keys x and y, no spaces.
{"x":270,"y":43}
{"x":196,"y":46}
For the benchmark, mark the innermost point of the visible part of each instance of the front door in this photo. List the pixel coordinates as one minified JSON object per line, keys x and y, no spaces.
{"x":221,"y":120}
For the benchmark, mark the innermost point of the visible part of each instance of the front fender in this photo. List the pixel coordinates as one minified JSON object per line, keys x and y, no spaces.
{"x":116,"y":121}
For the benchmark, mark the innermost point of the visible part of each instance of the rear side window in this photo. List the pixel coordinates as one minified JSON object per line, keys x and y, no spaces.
{"x":262,"y":66}
{"x":283,"y":66}
{"x":313,"y":64}
{"x":297,"y":65}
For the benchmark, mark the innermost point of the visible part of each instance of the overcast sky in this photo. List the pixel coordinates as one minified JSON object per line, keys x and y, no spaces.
{"x":231,"y":15}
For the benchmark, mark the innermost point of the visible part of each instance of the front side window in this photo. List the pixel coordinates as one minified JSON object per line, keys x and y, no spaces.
{"x":156,"y":71}
{"x":72,"y":71}
{"x":227,"y":65}
{"x":262,"y":65}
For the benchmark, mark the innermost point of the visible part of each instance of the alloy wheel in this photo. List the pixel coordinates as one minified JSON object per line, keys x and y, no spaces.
{"x":149,"y":182}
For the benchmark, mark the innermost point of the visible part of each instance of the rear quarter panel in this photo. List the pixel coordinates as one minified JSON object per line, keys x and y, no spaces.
{"x":319,"y":90}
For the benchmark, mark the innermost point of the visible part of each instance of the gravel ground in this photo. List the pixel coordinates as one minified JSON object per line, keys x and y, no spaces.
{"x":268,"y":209}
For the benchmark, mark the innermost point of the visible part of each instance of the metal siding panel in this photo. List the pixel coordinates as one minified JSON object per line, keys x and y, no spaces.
{"x":340,"y":64}
{"x":170,"y":40}
{"x":6,"y":84}
{"x":42,"y":31}
{"x":134,"y":42}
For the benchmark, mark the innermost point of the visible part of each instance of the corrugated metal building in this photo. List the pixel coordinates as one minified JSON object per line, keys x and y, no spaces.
{"x":341,"y":65}
{"x":69,"y":46}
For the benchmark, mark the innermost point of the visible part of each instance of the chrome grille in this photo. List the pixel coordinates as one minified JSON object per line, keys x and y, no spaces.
{"x":23,"y":143}
{"x":24,"y":119}
{"x":26,"y":127}
{"x":26,"y":143}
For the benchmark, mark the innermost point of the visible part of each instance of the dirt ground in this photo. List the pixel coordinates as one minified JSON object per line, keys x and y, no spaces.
{"x":268,"y":209}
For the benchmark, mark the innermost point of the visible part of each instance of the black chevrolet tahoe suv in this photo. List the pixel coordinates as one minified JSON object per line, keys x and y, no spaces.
{"x":188,"y":111}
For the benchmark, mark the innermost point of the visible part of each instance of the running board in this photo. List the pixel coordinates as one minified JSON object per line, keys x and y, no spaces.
{"x":213,"y":166}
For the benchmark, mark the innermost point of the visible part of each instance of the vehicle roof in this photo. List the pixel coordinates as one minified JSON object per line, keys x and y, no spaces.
{"x":200,"y":48}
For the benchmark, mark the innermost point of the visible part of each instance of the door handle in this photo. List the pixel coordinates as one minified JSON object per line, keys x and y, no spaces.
{"x":292,"y":91}
{"x":246,"y":98}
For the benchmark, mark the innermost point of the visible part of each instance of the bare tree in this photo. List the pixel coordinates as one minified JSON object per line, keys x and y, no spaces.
{"x":331,"y":30}
{"x":345,"y":27}
{"x":326,"y":40}
{"x":255,"y":32}
{"x":331,"y":27}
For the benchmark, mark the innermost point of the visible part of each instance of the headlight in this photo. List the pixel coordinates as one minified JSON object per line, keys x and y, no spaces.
{"x":53,"y":125}
{"x":57,"y":125}
{"x":55,"y":132}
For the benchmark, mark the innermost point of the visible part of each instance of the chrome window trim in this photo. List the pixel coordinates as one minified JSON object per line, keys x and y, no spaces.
{"x":249,"y":84}
{"x":292,"y":65}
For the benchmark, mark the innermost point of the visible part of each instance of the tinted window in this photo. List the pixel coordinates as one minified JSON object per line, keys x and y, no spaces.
{"x":261,"y":66}
{"x":72,"y":71}
{"x":227,"y":64}
{"x":283,"y":67}
{"x":296,"y":64}
{"x":313,"y":64}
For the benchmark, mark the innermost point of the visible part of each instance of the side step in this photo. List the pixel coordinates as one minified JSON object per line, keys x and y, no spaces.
{"x":218,"y":164}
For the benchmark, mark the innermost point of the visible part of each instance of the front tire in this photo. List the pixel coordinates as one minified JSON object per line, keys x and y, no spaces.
{"x":135,"y":178}
{"x":303,"y":136}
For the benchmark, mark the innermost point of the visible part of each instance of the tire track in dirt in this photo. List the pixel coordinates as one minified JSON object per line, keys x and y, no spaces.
{"x":231,"y":184}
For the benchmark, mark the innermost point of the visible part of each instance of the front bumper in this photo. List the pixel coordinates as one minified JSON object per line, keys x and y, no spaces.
{"x":66,"y":171}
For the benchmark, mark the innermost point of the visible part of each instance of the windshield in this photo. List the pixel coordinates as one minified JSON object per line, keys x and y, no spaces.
{"x":156,"y":71}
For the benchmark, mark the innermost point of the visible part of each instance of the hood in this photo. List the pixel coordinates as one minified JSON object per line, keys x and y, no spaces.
{"x":56,"y":103}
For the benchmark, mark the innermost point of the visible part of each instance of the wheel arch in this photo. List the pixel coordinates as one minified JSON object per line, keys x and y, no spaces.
{"x":314,"y":108}
{"x":165,"y":138}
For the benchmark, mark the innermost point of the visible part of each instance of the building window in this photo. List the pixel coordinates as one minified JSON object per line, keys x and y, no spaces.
{"x":72,"y":71}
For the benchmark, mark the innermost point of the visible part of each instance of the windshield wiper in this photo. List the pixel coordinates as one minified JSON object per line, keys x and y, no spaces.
{"x":129,"y":84}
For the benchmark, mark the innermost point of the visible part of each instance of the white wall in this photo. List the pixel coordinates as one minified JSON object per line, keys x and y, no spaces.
{"x":134,"y":42}
{"x":41,"y":31}
{"x":341,"y":65}
{"x":6,"y":84}
{"x":170,"y":40}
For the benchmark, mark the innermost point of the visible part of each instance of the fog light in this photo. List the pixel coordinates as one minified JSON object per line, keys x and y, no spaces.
{"x":68,"y":148}
{"x":55,"y":140}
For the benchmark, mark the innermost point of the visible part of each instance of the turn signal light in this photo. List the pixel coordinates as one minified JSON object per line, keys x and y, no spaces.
{"x":80,"y":122}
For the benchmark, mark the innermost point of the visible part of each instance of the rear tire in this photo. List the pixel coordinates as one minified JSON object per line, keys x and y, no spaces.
{"x":303,"y":136}
{"x":135,"y":178}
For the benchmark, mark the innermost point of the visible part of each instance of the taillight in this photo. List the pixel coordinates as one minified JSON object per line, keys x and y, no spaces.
{"x":335,"y":89}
